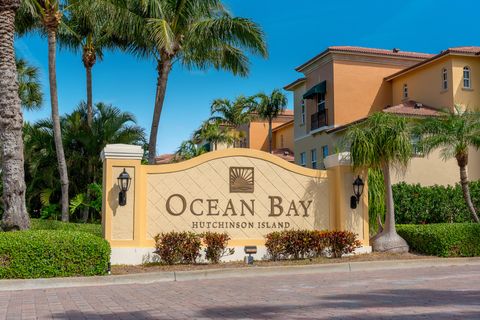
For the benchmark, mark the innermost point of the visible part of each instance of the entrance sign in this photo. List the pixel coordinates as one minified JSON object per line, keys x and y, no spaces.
{"x":243,"y":192}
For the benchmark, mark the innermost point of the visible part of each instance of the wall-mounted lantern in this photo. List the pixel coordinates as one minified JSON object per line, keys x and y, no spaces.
{"x":358,"y":186}
{"x":124,"y":182}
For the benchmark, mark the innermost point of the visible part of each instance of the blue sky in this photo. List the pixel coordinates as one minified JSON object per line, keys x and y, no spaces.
{"x":296,"y":30}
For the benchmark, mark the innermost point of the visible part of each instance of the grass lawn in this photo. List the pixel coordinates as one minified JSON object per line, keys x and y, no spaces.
{"x":38,"y":224}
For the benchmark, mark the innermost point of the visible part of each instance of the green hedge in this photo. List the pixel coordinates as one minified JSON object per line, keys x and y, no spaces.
{"x":443,"y":239}
{"x":52,"y":253}
{"x":39,"y":224}
{"x":415,"y":204}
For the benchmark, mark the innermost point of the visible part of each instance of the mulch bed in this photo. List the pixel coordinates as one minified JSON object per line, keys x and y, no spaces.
{"x":157,"y":267}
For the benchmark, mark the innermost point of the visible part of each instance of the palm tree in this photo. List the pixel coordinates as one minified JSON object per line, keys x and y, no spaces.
{"x":188,"y":150}
{"x":270,"y":107}
{"x":46,"y":15}
{"x":213,"y":133}
{"x":86,"y":31}
{"x":453,"y":132}
{"x":383,"y":141}
{"x":199,"y":34}
{"x":15,"y":216}
{"x":29,"y":87}
{"x":233,"y":114}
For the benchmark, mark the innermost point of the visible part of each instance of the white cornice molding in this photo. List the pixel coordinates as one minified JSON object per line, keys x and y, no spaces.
{"x":338,"y":159}
{"x":122,"y":151}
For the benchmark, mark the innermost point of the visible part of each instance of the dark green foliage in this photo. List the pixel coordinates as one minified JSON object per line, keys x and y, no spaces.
{"x":444,"y":240}
{"x":216,"y":246}
{"x":45,"y":254}
{"x":297,"y":244}
{"x":178,"y":247}
{"x":415,"y":204}
{"x":92,"y":228}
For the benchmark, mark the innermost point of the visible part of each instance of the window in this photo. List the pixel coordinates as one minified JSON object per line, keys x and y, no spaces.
{"x":324,"y":152}
{"x":466,"y":78}
{"x":405,"y":91}
{"x":303,"y":160}
{"x":314,"y":158}
{"x":417,"y":150}
{"x":303,"y":111}
{"x":444,"y":79}
{"x":320,"y":102}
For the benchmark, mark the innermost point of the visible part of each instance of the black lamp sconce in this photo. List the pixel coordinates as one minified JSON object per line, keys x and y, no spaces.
{"x":124,"y":182}
{"x":358,"y":186}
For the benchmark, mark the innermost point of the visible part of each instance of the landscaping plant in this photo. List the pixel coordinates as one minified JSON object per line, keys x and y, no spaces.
{"x":381,"y":142}
{"x":216,"y":246}
{"x":178,"y":247}
{"x":47,"y":253}
{"x":443,"y":239}
{"x":454,"y":132}
{"x":342,"y":242}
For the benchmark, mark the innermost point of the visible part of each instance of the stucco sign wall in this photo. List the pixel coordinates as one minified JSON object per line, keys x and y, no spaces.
{"x":243,"y":192}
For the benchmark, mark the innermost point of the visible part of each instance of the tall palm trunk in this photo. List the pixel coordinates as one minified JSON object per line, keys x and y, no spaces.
{"x":462,"y":161}
{"x":270,"y":135}
{"x":57,"y":132}
{"x":163,"y":68}
{"x":89,"y":58}
{"x":15,"y":216}
{"x":388,"y":239}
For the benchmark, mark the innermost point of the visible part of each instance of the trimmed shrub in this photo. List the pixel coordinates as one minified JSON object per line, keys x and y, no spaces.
{"x":319,"y":242}
{"x":216,"y":246}
{"x":275,"y":245}
{"x":178,"y":247}
{"x":342,"y":242}
{"x":444,"y":240}
{"x":297,"y":244}
{"x":40,"y":224}
{"x":45,"y":254}
{"x":415,"y":204}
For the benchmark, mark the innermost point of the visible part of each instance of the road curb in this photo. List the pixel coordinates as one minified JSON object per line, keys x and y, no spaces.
{"x":169,"y":276}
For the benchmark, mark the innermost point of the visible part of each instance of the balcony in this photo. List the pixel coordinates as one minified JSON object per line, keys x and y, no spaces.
{"x":318,"y":120}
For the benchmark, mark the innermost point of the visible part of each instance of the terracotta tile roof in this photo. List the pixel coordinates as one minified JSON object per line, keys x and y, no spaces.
{"x":362,"y":50}
{"x":294,"y":84}
{"x":468,"y":50}
{"x":412,"y":109}
{"x":285,"y":154}
{"x":164,"y":158}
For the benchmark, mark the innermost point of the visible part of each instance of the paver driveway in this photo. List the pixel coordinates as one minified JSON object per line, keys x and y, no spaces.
{"x":442,"y":292}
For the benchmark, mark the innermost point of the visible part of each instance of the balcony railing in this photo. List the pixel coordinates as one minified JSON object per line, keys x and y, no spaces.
{"x":319,"y":120}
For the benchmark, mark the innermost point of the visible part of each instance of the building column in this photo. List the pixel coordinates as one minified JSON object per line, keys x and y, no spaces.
{"x":340,"y":178}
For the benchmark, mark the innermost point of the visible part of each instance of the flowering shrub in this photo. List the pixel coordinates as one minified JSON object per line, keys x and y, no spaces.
{"x":216,"y":246}
{"x":319,"y":242}
{"x":178,"y":247}
{"x":342,"y":242}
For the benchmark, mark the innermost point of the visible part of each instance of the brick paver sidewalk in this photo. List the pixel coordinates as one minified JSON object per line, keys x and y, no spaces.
{"x":424,"y":293}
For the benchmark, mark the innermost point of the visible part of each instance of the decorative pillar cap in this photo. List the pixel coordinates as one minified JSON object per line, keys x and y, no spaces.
{"x":122,"y":151}
{"x":338,"y":159}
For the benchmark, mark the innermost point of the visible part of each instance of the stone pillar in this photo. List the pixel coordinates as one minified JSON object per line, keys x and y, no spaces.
{"x":119,"y":225}
{"x":341,"y":177}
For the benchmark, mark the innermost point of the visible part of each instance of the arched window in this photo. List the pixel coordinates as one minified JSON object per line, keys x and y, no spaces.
{"x":405,"y":91}
{"x":444,"y":79}
{"x":467,"y":83}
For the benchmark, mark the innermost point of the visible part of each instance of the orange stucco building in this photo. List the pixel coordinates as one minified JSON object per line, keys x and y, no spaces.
{"x":343,"y":85}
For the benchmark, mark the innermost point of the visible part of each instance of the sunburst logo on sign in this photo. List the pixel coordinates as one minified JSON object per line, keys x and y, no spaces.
{"x":241,"y":180}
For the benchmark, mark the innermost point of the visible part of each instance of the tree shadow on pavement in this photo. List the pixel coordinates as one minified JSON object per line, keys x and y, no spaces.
{"x":396,"y":304}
